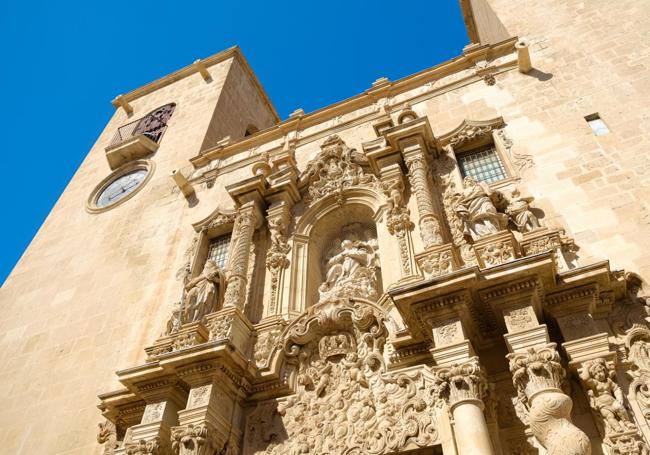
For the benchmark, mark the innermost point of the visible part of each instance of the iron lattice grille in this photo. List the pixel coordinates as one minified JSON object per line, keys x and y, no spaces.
{"x":152,"y":125}
{"x":218,"y":250}
{"x":484,"y":165}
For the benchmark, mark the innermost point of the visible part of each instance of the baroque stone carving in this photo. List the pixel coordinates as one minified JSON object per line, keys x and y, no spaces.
{"x":107,"y":436}
{"x":143,"y":447}
{"x":430,"y":230}
{"x":518,"y":209}
{"x":345,"y":403}
{"x":537,"y":375}
{"x":478,"y":211}
{"x":606,"y":399}
{"x":398,"y":220}
{"x":445,"y":167}
{"x":461,"y":382}
{"x":352,"y":270}
{"x":235,"y":294}
{"x":220,"y":328}
{"x":336,"y":168}
{"x":192,"y":440}
{"x":266,"y":343}
{"x":277,"y":256}
{"x":521,"y":161}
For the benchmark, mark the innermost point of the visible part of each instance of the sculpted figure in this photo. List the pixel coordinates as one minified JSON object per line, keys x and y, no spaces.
{"x":518,"y":210}
{"x":352,"y":271}
{"x":203,"y":293}
{"x":640,"y":354}
{"x":477,"y":210}
{"x":605,"y":395}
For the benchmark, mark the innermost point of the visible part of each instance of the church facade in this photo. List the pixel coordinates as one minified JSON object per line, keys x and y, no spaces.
{"x":455,"y":262}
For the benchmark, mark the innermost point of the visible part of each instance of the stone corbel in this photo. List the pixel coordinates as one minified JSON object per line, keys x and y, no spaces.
{"x":203,"y":71}
{"x":120,"y":101}
{"x":164,"y":398}
{"x":205,"y":426}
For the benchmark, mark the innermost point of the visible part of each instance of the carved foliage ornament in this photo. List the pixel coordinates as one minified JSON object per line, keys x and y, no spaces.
{"x":538,"y":375}
{"x":345,"y":402}
{"x":336,"y":168}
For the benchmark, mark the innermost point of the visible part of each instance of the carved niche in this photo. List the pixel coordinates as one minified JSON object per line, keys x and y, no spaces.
{"x":351,"y":265}
{"x":345,"y":401}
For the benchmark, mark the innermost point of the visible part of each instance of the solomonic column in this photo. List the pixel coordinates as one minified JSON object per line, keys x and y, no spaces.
{"x":463,"y":387}
{"x":438,"y":257}
{"x":247,"y":218}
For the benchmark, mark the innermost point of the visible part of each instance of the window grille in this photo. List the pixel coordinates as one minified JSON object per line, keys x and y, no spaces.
{"x":218,"y":250}
{"x":484,"y":165}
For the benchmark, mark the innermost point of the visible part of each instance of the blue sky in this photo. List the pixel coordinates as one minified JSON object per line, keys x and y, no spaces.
{"x":62,"y":63}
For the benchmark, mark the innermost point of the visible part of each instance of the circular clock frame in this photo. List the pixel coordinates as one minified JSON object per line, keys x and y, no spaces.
{"x":91,"y":203}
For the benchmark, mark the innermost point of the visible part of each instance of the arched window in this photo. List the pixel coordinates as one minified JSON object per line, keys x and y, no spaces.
{"x":153,"y":124}
{"x":250,"y":129}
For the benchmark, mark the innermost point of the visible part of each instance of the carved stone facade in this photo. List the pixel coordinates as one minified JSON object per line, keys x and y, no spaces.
{"x":440,"y":264}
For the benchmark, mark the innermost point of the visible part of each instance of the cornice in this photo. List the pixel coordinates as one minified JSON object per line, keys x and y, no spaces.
{"x":386,"y":89}
{"x":232,"y":52}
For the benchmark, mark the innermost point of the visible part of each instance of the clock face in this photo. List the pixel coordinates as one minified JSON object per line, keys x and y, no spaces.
{"x":121,"y":187}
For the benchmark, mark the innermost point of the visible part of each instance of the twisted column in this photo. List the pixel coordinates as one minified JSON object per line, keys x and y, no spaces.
{"x":430,"y":230}
{"x":463,"y":387}
{"x":240,"y":256}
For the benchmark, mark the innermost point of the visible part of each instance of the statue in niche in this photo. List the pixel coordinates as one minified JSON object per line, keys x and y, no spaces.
{"x":352,"y":270}
{"x":203,"y":293}
{"x":518,"y":210}
{"x":477,"y":208}
{"x":606,"y":396}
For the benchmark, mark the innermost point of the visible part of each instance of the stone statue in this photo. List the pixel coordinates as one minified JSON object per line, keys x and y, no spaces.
{"x":477,"y":210}
{"x":352,"y":271}
{"x":605,"y":396}
{"x":203,"y":293}
{"x":518,"y":210}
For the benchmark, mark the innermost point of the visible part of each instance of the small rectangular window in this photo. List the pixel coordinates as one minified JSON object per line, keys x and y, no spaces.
{"x":484,"y":165}
{"x":218,"y":250}
{"x":597,"y":125}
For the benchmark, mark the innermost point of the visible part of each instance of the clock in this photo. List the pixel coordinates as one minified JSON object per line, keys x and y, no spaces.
{"x":120,"y":186}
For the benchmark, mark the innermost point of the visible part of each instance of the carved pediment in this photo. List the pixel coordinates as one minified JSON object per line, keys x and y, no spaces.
{"x":345,"y":401}
{"x":216,"y":219}
{"x":470,"y":132}
{"x":334,"y":169}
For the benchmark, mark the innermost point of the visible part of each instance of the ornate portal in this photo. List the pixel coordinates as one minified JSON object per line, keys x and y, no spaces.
{"x":400,"y":293}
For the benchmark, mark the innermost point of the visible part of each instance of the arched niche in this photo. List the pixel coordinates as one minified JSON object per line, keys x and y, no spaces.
{"x":355,"y":215}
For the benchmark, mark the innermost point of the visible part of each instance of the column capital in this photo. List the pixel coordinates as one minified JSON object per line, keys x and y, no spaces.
{"x":461,"y":383}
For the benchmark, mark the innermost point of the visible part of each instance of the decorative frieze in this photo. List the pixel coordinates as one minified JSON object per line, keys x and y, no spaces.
{"x":496,"y":249}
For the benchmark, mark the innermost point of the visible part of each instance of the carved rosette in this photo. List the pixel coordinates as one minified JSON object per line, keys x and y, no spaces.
{"x":235,"y":295}
{"x":461,"y":383}
{"x":537,"y":375}
{"x":430,"y":230}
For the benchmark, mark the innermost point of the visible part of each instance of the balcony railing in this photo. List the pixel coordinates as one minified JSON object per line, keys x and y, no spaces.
{"x":130,"y":130}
